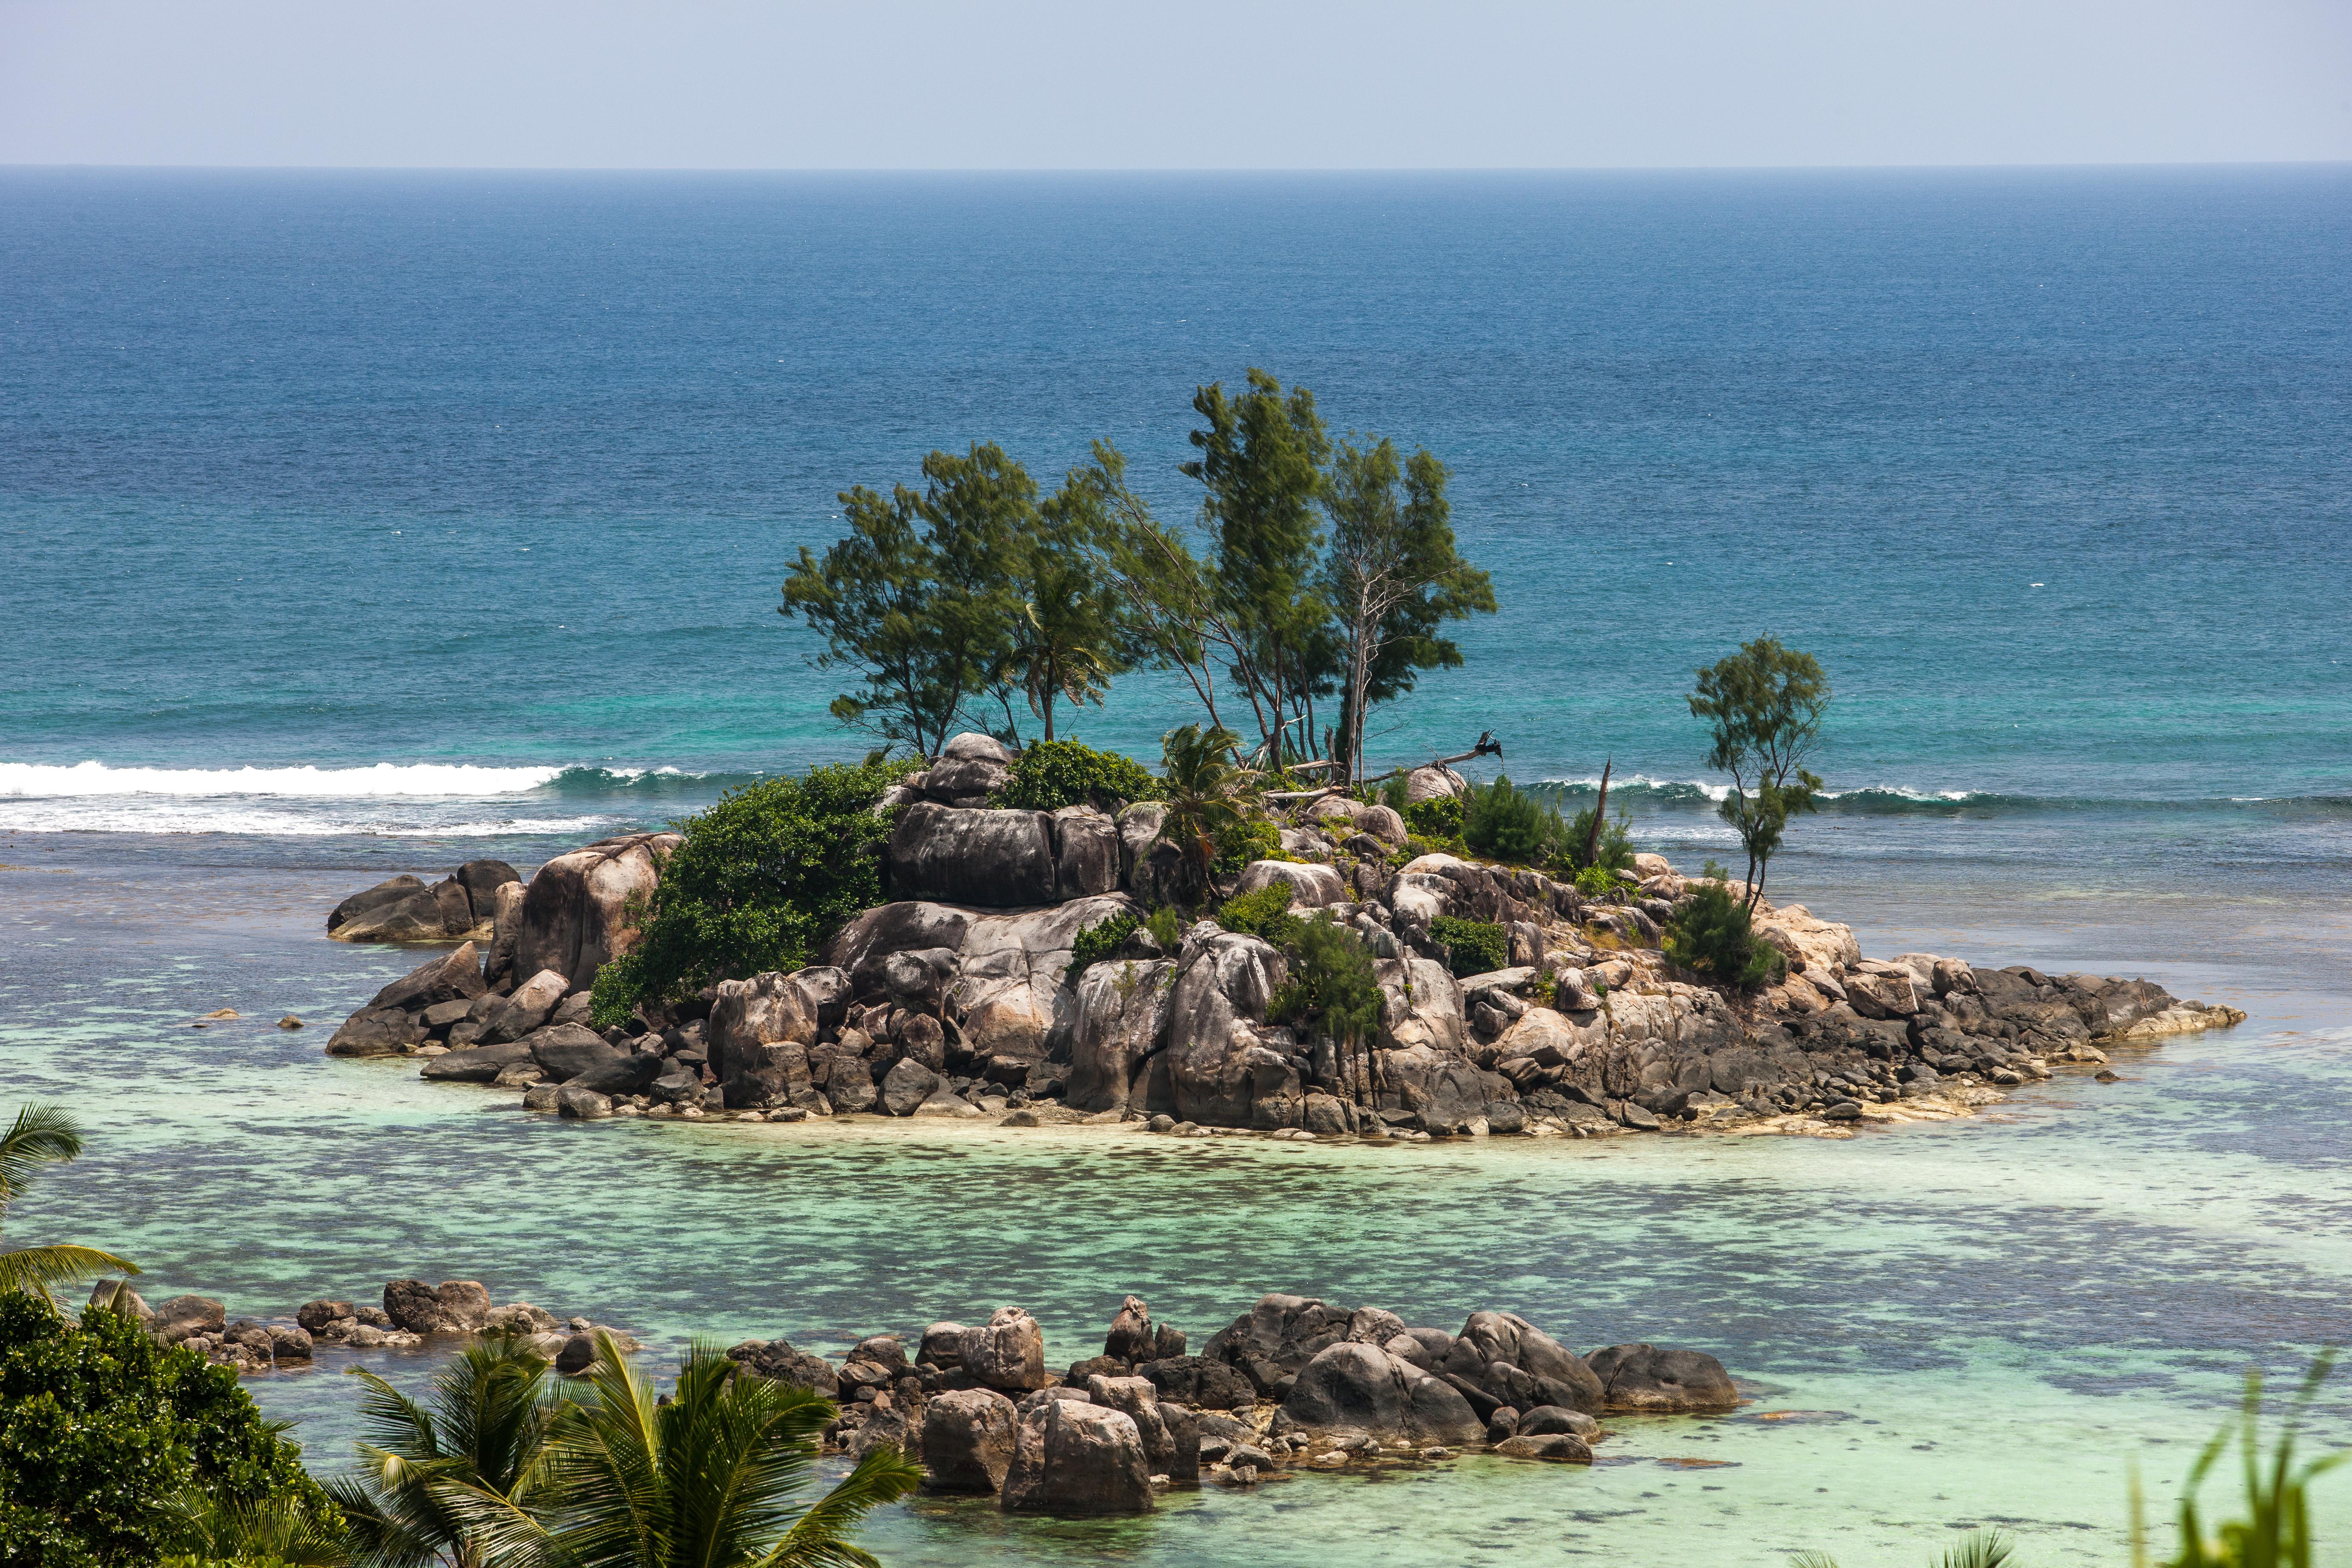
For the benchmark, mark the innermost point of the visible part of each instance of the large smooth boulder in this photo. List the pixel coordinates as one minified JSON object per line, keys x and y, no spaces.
{"x":1121,"y":1008}
{"x":1433,"y":784}
{"x":528,"y":1008}
{"x":382,"y":896}
{"x":1139,"y":1401}
{"x":760,"y":1031}
{"x":630,"y":1072}
{"x":479,"y":1065}
{"x":998,"y":860}
{"x":1882,"y":991}
{"x":1363,"y":1388}
{"x":1010,"y":985}
{"x":376,"y":1031}
{"x":456,"y":975}
{"x":968,"y":1441}
{"x":576,"y":914}
{"x":1149,"y":866}
{"x":482,"y":880}
{"x":565,"y":1051}
{"x":1312,"y":885}
{"x":969,"y":766}
{"x":1420,"y":1005}
{"x":1221,"y":989}
{"x":1196,"y":1380}
{"x":1509,"y":1339}
{"x":1007,"y":1353}
{"x":582,"y":1103}
{"x":1077,"y":1459}
{"x":183,"y":1315}
{"x":414,"y":1306}
{"x":464,"y":1305}
{"x":1819,"y":944}
{"x":506,"y":933}
{"x":1277,"y":1336}
{"x":1085,"y":853}
{"x":864,"y":947}
{"x":1659,"y":1380}
{"x":908,"y":1085}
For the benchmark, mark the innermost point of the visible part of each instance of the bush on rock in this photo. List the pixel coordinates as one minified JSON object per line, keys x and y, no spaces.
{"x":1099,"y":942}
{"x":761,"y":880}
{"x":1050,"y":774}
{"x":1265,"y":914}
{"x":1472,"y":947}
{"x":1712,"y":935}
{"x":1502,"y":823}
{"x":1333,"y":988}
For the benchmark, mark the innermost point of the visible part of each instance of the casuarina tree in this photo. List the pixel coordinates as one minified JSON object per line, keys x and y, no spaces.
{"x":1763,"y":705}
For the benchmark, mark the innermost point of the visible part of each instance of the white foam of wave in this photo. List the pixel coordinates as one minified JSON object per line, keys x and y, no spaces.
{"x":1643,"y":780}
{"x":122,"y":816}
{"x":384,"y":780}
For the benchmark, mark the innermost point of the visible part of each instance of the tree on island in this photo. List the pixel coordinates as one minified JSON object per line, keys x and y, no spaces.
{"x":1763,"y":705}
{"x":971,"y":591}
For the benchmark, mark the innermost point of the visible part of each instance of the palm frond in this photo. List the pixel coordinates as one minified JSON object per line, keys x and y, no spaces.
{"x":1978,"y":1548}
{"x":34,"y":1269}
{"x":1812,"y":1559}
{"x":882,"y":1475}
{"x":41,"y":1135}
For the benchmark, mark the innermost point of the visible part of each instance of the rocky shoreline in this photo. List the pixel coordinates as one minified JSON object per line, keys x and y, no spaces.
{"x":1294,"y":1383}
{"x":961,"y":998}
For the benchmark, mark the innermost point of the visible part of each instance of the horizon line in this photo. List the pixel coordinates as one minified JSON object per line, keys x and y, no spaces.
{"x":1078,"y":170}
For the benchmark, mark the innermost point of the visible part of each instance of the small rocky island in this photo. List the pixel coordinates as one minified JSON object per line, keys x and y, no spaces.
{"x":1293,"y":1384}
{"x":961,"y":998}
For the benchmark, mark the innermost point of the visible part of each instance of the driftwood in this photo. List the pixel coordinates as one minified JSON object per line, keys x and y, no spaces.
{"x":1486,"y":746}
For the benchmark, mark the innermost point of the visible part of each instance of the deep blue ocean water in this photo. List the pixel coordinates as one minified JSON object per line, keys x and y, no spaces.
{"x":360,"y":523}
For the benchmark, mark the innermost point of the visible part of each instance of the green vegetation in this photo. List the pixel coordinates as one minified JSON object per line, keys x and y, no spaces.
{"x":1332,"y":989}
{"x":1394,"y":792}
{"x":951,"y":600}
{"x":1977,"y":1548}
{"x":1208,"y":800}
{"x":1613,"y":844}
{"x":1502,"y":823}
{"x":1099,"y":942}
{"x":761,"y":880}
{"x":1167,"y":929}
{"x":1472,"y":947}
{"x":1598,"y":882}
{"x":114,"y":1448}
{"x":2276,"y":1531}
{"x":497,"y":1469}
{"x":1265,"y":914}
{"x":1763,"y":705}
{"x":1711,"y":935}
{"x":44,"y":1135}
{"x":1439,"y":817}
{"x":1050,"y":774}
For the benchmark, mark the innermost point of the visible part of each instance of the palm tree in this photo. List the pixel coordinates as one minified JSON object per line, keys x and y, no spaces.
{"x":484,"y":1435}
{"x":276,"y":1533}
{"x":1977,"y":1548}
{"x":45,"y":1135}
{"x":711,"y":1477}
{"x":1205,"y":795}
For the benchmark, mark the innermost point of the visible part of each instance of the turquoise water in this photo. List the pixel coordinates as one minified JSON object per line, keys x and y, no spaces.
{"x":362,"y":525}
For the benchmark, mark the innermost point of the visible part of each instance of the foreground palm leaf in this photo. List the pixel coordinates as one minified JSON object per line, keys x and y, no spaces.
{"x":711,"y":1477}
{"x":484,"y":1435}
{"x":45,"y":1135}
{"x":1977,"y":1548}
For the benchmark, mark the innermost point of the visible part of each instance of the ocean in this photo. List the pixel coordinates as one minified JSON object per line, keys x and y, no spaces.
{"x":361,"y":523}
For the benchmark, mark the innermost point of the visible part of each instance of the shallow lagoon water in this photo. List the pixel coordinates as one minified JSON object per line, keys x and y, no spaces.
{"x":1979,"y":1320}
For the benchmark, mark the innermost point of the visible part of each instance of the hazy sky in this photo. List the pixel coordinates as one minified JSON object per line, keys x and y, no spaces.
{"x":1207,"y":84}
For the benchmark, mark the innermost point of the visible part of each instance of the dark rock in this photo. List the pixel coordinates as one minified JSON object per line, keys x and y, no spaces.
{"x":317,"y":1315}
{"x":884,"y":1351}
{"x":376,"y":1032}
{"x":289,"y":1343}
{"x":906,"y":1086}
{"x":631,"y":1074}
{"x":1561,"y":1447}
{"x":1131,"y":1337}
{"x":1363,"y":1388}
{"x":1095,"y":1366}
{"x":1656,"y":1380}
{"x":456,"y":974}
{"x":778,"y":1360}
{"x":479,"y":1063}
{"x":1008,"y":1353}
{"x":992,"y":858}
{"x":1077,"y":1460}
{"x":482,"y":880}
{"x":1085,"y":853}
{"x":530,"y":1007}
{"x":1166,"y":1341}
{"x":382,"y":896}
{"x":1508,"y":1338}
{"x":1277,"y":1338}
{"x":565,"y":1051}
{"x":583,"y":1104}
{"x":578,"y":1354}
{"x":182,"y":1316}
{"x":1194,"y":1380}
{"x":968,"y":1441}
{"x":412,"y":1305}
{"x":1546,"y":1419}
{"x":943,"y":1346}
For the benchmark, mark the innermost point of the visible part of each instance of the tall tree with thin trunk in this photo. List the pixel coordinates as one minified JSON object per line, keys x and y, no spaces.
{"x":1763,"y":705}
{"x":1394,"y":576}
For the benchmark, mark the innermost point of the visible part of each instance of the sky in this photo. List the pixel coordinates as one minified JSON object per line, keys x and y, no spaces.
{"x":1210,"y":84}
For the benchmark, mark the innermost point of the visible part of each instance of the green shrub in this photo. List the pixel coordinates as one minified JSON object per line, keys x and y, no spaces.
{"x":764,"y":877}
{"x":1711,"y":935}
{"x":1715,"y":870}
{"x":1332,"y":986}
{"x":1265,"y":914}
{"x":1050,"y":774}
{"x":1098,"y":942}
{"x":1472,"y":947}
{"x":1614,"y":851}
{"x":1394,"y":794}
{"x":1598,"y":882}
{"x":1167,"y":929}
{"x":1244,"y":840}
{"x":1502,"y":823}
{"x":1436,"y":818}
{"x":107,"y":1439}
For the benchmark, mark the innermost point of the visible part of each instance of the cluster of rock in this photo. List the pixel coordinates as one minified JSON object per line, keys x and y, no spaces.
{"x":411,"y":1310}
{"x":957,"y":998}
{"x":1292,"y":1383}
{"x":405,"y":908}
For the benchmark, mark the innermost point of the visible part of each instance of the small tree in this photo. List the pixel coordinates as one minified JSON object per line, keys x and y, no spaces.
{"x":1763,"y":705}
{"x":918,"y":598}
{"x":1205,"y":797}
{"x":1393,"y":576}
